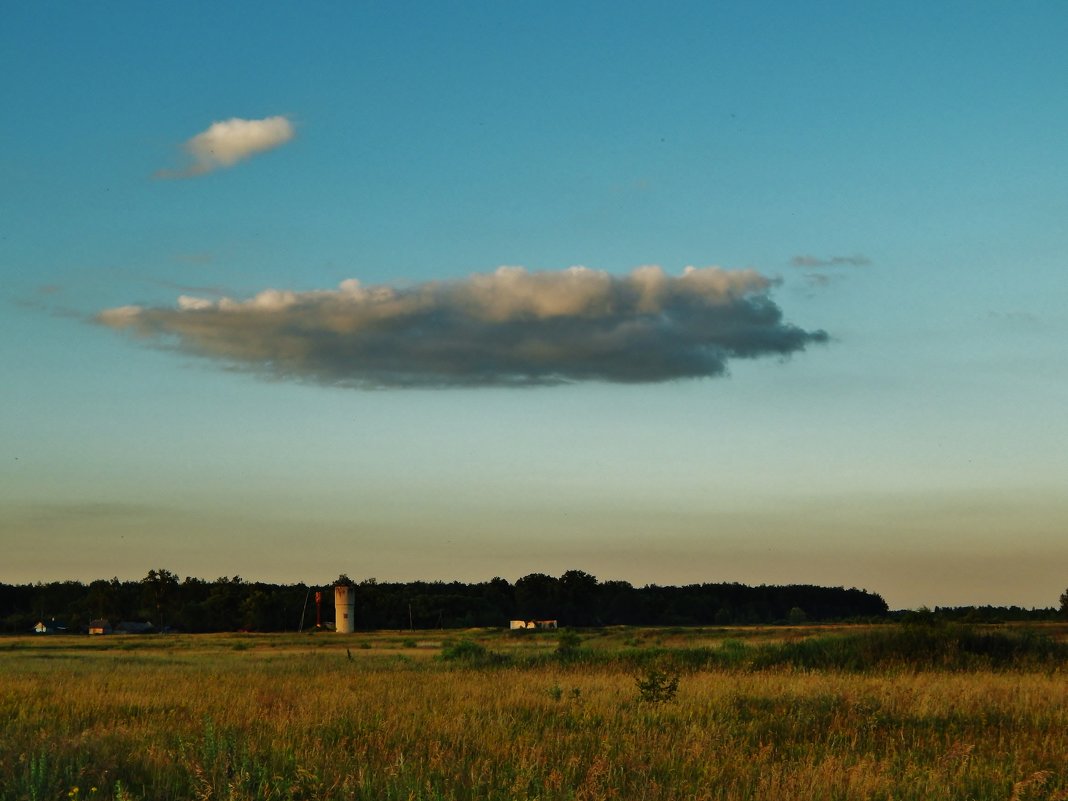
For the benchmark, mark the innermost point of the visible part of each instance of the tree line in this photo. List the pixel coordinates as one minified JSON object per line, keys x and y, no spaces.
{"x":575,"y":598}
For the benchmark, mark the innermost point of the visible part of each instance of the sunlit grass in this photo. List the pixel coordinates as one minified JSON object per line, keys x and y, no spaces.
{"x":319,"y":717}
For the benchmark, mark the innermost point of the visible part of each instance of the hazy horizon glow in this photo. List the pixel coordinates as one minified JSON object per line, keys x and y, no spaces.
{"x":356,"y":336}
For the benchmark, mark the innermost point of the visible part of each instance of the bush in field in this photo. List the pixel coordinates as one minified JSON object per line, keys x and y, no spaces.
{"x":464,"y":651}
{"x":657,"y":684}
{"x":569,"y":646}
{"x":471,"y":653}
{"x":920,"y":617}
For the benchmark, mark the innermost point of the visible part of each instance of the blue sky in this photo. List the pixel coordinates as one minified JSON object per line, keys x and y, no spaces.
{"x":893,"y":173}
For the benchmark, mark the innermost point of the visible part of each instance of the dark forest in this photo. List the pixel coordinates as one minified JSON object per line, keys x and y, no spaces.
{"x":576,"y":598}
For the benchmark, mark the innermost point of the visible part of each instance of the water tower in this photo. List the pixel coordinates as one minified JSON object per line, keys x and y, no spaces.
{"x":344,"y":607}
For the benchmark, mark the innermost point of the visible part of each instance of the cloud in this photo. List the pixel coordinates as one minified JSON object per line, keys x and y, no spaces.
{"x":1021,"y":320}
{"x":76,"y":511}
{"x":511,"y":327}
{"x":818,"y":279}
{"x":201,"y":289}
{"x":197,"y":257}
{"x":226,"y":143}
{"x":857,"y":260}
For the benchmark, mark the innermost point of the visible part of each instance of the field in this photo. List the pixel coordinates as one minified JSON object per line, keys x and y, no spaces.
{"x":759,"y":713}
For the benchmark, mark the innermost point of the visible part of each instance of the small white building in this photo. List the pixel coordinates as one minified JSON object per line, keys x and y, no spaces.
{"x":532,"y":624}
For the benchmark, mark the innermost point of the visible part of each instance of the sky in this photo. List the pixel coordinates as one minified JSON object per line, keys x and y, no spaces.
{"x":762,"y":292}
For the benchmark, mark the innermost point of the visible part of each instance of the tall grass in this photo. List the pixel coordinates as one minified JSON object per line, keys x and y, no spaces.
{"x":297,"y":720}
{"x":949,"y":647}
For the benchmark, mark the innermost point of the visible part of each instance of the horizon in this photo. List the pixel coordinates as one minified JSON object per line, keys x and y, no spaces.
{"x":512,"y":581}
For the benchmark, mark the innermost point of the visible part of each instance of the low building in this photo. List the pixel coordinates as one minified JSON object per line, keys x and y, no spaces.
{"x":99,"y":627}
{"x":532,"y":624}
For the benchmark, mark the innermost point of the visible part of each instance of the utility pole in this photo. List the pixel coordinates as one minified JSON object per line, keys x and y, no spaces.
{"x":304,"y":609}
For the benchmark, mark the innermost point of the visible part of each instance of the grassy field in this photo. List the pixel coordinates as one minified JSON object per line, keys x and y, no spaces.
{"x":760,"y":713}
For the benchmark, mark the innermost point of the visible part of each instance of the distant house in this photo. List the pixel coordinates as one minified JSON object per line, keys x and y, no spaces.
{"x":532,"y":624}
{"x":47,"y":628}
{"x":99,"y":627}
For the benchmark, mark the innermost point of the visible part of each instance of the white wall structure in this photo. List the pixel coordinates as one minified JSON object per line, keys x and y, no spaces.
{"x":344,"y":609}
{"x":532,"y":624}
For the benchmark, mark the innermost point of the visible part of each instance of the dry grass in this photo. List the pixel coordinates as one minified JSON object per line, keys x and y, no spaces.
{"x":243,"y":717}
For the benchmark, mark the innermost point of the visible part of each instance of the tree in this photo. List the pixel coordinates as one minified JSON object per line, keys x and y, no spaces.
{"x":797,"y":616}
{"x":159,"y":586}
{"x":578,"y":591}
{"x":257,"y":611}
{"x":1064,"y":603}
{"x":102,"y":599}
{"x":619,"y":603}
{"x":500,"y":597}
{"x":537,"y":596}
{"x":220,"y":608}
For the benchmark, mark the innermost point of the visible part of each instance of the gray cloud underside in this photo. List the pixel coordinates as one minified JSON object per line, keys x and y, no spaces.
{"x":834,"y":261}
{"x":508,"y":328}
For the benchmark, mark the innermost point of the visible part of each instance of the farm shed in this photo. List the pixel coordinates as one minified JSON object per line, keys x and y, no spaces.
{"x":532,"y":624}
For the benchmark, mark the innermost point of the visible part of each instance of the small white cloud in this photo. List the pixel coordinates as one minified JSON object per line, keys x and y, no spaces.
{"x":226,"y":143}
{"x":186,"y":302}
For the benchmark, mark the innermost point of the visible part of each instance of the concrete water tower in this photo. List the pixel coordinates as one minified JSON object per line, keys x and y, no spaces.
{"x":344,"y":607}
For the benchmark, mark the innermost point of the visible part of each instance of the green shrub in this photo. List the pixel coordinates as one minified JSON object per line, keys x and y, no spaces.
{"x":569,"y":646}
{"x":471,"y":653}
{"x":657,"y":684}
{"x":464,"y":650}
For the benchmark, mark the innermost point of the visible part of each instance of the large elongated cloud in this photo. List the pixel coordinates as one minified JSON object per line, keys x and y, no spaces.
{"x":225,"y":143}
{"x":507,"y":328}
